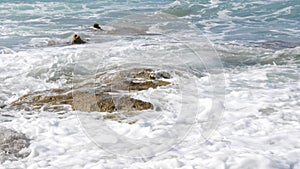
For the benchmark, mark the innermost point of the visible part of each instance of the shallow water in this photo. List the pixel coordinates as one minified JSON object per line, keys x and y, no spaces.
{"x":235,"y":81}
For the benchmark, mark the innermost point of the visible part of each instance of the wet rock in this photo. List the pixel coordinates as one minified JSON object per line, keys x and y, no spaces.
{"x":12,"y":145}
{"x":2,"y":106}
{"x":146,"y":85}
{"x":160,"y":75}
{"x":77,"y":40}
{"x":80,"y":100}
{"x":49,"y":99}
{"x":133,"y":79}
{"x":111,"y":95}
{"x":97,"y":26}
{"x":84,"y":101}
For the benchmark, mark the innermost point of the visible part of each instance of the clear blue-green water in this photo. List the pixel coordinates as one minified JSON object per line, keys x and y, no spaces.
{"x":244,"y":33}
{"x":236,"y":62}
{"x":222,"y":21}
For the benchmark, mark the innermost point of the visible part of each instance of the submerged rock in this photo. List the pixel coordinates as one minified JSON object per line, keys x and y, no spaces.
{"x":126,"y":30}
{"x":278,"y":45}
{"x":112,"y":95}
{"x":12,"y":145}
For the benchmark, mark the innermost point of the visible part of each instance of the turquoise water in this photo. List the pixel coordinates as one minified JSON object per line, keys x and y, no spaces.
{"x":243,"y":74}
{"x":222,"y":21}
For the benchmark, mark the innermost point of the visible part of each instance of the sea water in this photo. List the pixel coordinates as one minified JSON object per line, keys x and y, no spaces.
{"x":236,"y":81}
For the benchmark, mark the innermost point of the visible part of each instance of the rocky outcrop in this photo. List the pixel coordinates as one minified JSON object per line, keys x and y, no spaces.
{"x":84,"y":101}
{"x":77,"y":40}
{"x":111,"y":94}
{"x":12,"y":145}
{"x":97,"y":26}
{"x":133,"y":79}
{"x":51,"y":100}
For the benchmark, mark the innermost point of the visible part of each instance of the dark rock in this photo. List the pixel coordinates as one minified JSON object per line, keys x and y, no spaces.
{"x":96,"y":25}
{"x":77,"y":40}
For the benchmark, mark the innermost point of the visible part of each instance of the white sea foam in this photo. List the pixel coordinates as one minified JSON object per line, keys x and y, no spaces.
{"x":258,"y":129}
{"x":261,"y":121}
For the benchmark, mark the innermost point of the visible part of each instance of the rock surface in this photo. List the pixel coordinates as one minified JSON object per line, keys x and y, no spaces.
{"x":84,"y":101}
{"x":107,"y":96}
{"x":133,"y":79}
{"x":77,"y":40}
{"x":12,"y":145}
